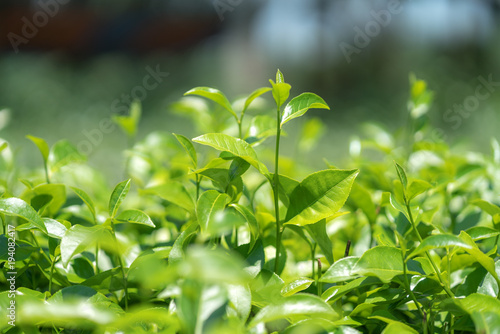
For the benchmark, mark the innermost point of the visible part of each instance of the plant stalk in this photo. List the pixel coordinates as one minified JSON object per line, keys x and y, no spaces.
{"x":120,"y":263}
{"x":276,"y":190}
{"x":434,"y":266}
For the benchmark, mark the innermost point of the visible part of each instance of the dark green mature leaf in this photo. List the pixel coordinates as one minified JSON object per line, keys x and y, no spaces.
{"x":174,"y":192}
{"x":320,"y":195}
{"x":213,"y":94}
{"x":299,"y":105}
{"x":42,"y":146}
{"x":86,"y":199}
{"x":188,"y":146}
{"x":135,"y":217}
{"x":79,"y":238}
{"x":17,"y":207}
{"x":294,"y":307}
{"x":236,"y":146}
{"x":439,"y":241}
{"x":318,"y":233}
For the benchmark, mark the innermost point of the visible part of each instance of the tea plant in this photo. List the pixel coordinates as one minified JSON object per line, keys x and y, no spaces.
{"x":201,"y":237}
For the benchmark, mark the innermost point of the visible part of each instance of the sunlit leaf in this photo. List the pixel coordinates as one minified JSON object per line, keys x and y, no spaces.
{"x":213,"y":94}
{"x":117,"y":196}
{"x":135,"y":217}
{"x":299,"y":105}
{"x":17,"y":207}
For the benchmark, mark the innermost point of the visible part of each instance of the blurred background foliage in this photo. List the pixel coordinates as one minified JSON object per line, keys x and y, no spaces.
{"x":79,"y":66}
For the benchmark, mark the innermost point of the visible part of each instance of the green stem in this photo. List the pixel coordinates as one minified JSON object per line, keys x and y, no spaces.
{"x":313,"y":255}
{"x":410,"y":292}
{"x":434,"y":266}
{"x":46,"y":172}
{"x":197,"y":187}
{"x":276,"y":184}
{"x":240,"y":133}
{"x":120,"y":263}
{"x":52,"y":273}
{"x":97,"y":258}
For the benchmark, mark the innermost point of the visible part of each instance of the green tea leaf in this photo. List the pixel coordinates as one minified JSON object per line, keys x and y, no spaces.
{"x":251,"y":220}
{"x":398,"y":327}
{"x":135,"y":217}
{"x":281,"y":92}
{"x":213,"y":94}
{"x":383,"y":262}
{"x":255,"y":94}
{"x":292,"y":307}
{"x":261,"y":128}
{"x":86,"y":199}
{"x":46,"y":198}
{"x":487,"y":262}
{"x":174,"y":192}
{"x":340,"y":271}
{"x":481,"y":232}
{"x":117,"y":196}
{"x":296,"y":286}
{"x":17,"y":207}
{"x":79,"y":238}
{"x":236,"y":146}
{"x":318,"y":233}
{"x":439,"y":241}
{"x":63,"y":153}
{"x":320,"y":195}
{"x":55,"y":229}
{"x":299,"y":105}
{"x":487,"y":207}
{"x":130,"y":123}
{"x":210,"y":204}
{"x":402,"y":176}
{"x":42,"y":146}
{"x":188,"y":146}
{"x":417,"y":187}
{"x":486,"y":322}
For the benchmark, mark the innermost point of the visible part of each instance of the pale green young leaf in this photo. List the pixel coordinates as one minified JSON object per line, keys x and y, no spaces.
{"x":487,"y":262}
{"x":251,"y":220}
{"x":174,"y":192}
{"x":210,"y":204}
{"x":486,"y":322}
{"x":17,"y":207}
{"x":482,"y":232}
{"x":320,"y":195}
{"x":63,"y":153}
{"x":402,"y":176}
{"x":86,"y":199}
{"x":188,"y":146}
{"x":42,"y":146}
{"x":399,"y":328}
{"x":281,"y":92}
{"x":341,"y":270}
{"x":117,"y":196}
{"x":134,"y":216}
{"x":47,"y":199}
{"x":296,"y":286}
{"x":487,"y":207}
{"x":298,"y":305}
{"x":439,"y":241}
{"x":416,"y":188}
{"x":299,"y":105}
{"x":255,"y":94}
{"x":383,"y":262}
{"x":261,"y":127}
{"x":79,"y":238}
{"x":129,"y":123}
{"x":213,"y":94}
{"x":236,"y":146}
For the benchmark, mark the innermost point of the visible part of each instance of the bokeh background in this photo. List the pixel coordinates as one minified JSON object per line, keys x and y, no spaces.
{"x":67,"y":64}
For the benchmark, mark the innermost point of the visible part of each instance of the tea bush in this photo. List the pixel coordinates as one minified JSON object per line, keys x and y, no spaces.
{"x":215,"y":234}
